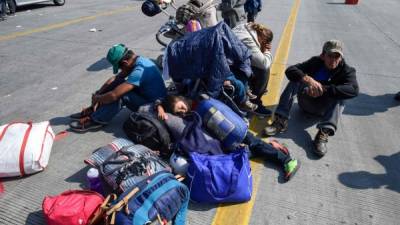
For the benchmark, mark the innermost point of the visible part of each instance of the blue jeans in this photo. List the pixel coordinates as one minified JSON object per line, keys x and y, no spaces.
{"x":329,"y":108}
{"x":259,"y":148}
{"x":132,"y":100}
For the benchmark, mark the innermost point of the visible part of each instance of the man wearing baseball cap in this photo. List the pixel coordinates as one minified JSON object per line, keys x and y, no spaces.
{"x":321,"y":84}
{"x":139,"y":82}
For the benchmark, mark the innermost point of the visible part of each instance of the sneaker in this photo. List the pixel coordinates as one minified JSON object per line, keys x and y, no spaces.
{"x":320,"y":142}
{"x":279,"y":125}
{"x":262,"y":111}
{"x":84,"y":113}
{"x":291,"y":168}
{"x":84,"y":124}
{"x":250,"y":94}
{"x":248,"y":106}
{"x":397,"y":96}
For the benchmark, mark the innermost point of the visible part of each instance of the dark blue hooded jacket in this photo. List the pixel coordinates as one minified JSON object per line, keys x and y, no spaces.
{"x":208,"y":54}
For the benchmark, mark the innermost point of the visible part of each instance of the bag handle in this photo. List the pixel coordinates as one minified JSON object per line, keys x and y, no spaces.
{"x":100,"y":213}
{"x":210,"y":186}
{"x":109,"y":160}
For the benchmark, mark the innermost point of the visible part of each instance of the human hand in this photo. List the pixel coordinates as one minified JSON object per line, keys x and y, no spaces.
{"x":266,"y":47}
{"x":95,"y":99}
{"x":161,"y":113}
{"x":315,"y":88}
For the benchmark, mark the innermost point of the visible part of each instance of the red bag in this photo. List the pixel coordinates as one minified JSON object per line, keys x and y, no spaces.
{"x":74,"y":207}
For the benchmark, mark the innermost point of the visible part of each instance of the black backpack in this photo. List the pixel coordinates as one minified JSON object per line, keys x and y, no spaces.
{"x":147,"y":130}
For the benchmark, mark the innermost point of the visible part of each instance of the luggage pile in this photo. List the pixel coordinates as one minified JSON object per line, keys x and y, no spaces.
{"x":152,"y":176}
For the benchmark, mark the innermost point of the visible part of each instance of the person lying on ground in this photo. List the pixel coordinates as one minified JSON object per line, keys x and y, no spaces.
{"x":322,"y":85}
{"x":138,"y":83}
{"x":173,"y":106}
{"x":258,"y":40}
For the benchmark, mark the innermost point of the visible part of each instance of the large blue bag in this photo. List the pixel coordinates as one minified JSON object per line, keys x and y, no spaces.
{"x":159,"y":196}
{"x":223,"y":123}
{"x":220,"y":178}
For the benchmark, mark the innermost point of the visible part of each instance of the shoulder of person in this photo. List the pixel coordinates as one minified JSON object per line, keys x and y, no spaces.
{"x":346,"y":68}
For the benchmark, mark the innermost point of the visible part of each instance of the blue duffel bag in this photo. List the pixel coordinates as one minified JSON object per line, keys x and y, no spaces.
{"x":223,"y":123}
{"x":220,"y":178}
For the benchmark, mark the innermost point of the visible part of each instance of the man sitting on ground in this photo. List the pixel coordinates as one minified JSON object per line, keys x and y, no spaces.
{"x":322,"y":83}
{"x":139,"y":82}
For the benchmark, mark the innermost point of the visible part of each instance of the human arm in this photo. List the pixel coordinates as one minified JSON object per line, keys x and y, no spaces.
{"x":260,"y":58}
{"x":113,"y":95}
{"x":348,"y":87}
{"x":160,"y":110}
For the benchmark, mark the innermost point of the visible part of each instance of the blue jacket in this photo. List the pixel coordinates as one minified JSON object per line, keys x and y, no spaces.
{"x":208,"y":54}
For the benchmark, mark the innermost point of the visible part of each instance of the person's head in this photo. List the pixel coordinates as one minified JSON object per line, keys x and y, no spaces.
{"x":332,"y":54}
{"x":177,"y":105}
{"x":264,"y":35}
{"x":120,"y":57}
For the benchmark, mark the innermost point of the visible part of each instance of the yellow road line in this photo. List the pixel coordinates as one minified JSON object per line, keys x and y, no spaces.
{"x":240,"y":214}
{"x":64,"y":24}
{"x":279,"y":64}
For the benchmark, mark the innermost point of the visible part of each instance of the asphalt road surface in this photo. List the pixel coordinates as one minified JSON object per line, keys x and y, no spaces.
{"x":50,"y":63}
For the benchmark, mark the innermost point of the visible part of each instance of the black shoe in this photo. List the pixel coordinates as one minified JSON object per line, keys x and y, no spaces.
{"x":2,"y":18}
{"x":262,"y":111}
{"x":84,"y":124}
{"x":84,"y":113}
{"x":279,"y":125}
{"x":321,"y":142}
{"x":397,"y":96}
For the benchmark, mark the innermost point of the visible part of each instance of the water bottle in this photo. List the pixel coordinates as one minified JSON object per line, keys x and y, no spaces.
{"x":94,"y":180}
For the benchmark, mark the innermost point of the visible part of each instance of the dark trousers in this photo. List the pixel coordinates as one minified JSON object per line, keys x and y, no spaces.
{"x":260,"y":148}
{"x":330,"y":109}
{"x":258,"y":83}
{"x":131,"y":99}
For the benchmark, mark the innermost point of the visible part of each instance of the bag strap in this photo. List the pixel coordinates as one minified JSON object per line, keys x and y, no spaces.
{"x":61,"y":135}
{"x":9,"y":125}
{"x":100,"y":213}
{"x":110,"y":160}
{"x":111,"y":211}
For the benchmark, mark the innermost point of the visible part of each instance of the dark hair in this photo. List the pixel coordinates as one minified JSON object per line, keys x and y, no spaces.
{"x":169,"y":102}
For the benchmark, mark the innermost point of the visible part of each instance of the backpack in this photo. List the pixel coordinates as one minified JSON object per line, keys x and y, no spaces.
{"x":147,"y":130}
{"x":220,"y":178}
{"x":127,"y":166}
{"x":74,"y":207}
{"x":159,"y":197}
{"x":204,"y":12}
{"x":25,"y":148}
{"x":223,"y":123}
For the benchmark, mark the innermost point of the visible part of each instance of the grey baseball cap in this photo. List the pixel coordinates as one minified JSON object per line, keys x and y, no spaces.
{"x":333,"y":46}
